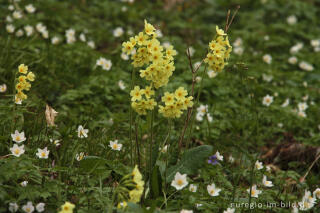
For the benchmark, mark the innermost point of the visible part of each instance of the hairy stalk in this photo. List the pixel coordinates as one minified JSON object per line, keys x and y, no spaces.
{"x":190,"y":109}
{"x":131,"y":119}
{"x":151,"y":114}
{"x":137,"y":141}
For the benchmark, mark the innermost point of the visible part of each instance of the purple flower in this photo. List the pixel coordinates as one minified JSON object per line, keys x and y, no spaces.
{"x":213,"y":160}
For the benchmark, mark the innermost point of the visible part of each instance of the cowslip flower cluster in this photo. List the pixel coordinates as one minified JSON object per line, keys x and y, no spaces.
{"x":219,"y":51}
{"x":134,"y":184}
{"x":175,"y":103}
{"x":141,"y":100}
{"x":149,"y":52}
{"x":23,"y":83}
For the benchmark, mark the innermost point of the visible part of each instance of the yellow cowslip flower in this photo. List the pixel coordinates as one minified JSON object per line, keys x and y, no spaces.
{"x":136,"y":193}
{"x":127,"y":47}
{"x":170,"y":52}
{"x":19,"y":86}
{"x":22,"y":78}
{"x":20,"y":95}
{"x":148,"y":28}
{"x":23,"y":69}
{"x":148,"y":91}
{"x":67,"y":207}
{"x":141,"y":38}
{"x":168,"y":98}
{"x":136,"y":94}
{"x":26,"y":86}
{"x":30,"y":76}
{"x":220,"y":32}
{"x":180,"y":93}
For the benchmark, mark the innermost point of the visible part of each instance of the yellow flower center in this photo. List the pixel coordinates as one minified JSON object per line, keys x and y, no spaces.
{"x":43,"y":154}
{"x":114,"y":146}
{"x":253,"y":192}
{"x":28,"y":209}
{"x":66,"y":208}
{"x":180,"y":182}
{"x":16,"y":151}
{"x":18,"y":138}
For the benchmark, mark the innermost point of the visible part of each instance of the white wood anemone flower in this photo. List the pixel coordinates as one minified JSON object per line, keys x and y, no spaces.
{"x":18,"y":137}
{"x":254,"y":191}
{"x":114,"y":145}
{"x":179,"y":181}
{"x":82,"y":133}
{"x":17,"y":150}
{"x":43,"y":153}
{"x":213,"y":190}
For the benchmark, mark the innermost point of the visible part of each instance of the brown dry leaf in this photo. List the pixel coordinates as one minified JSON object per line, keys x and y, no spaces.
{"x":50,"y":115}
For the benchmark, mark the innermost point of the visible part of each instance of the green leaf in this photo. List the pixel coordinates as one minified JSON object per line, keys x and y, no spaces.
{"x":191,"y":161}
{"x":156,"y":182}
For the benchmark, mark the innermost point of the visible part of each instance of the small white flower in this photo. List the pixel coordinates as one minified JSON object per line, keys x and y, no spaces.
{"x":238,"y":50}
{"x":29,"y":30}
{"x":219,"y":157}
{"x":179,"y":181}
{"x":121,"y":85}
{"x":29,"y":208}
{"x":166,"y":44}
{"x":40,"y":207}
{"x":124,"y":56}
{"x":30,"y":8}
{"x":191,"y":51}
{"x":164,"y":149}
{"x":231,"y":159}
{"x":3,"y":88}
{"x":212,"y":74}
{"x":80,"y":156}
{"x":267,"y":78}
{"x":280,"y":125}
{"x":292,"y":60}
{"x":209,"y":117}
{"x":212,"y":190}
{"x":305,"y":66}
{"x":124,"y":9}
{"x":254,"y":191}
{"x":266,"y":182}
{"x":305,"y":98}
{"x":70,"y":35}
{"x":82,"y":133}
{"x":193,"y":188}
{"x":199,"y":116}
{"x":55,"y":142}
{"x":17,"y":14}
{"x":291,"y":20}
{"x":11,"y":7}
{"x":107,"y":65}
{"x":302,"y":114}
{"x":198,"y":79}
{"x":316,"y":193}
{"x":18,"y":137}
{"x":41,"y":28}
{"x":266,"y":38}
{"x":296,"y":48}
{"x":159,"y":33}
{"x":55,"y":40}
{"x":91,"y":44}
{"x":267,"y":100}
{"x":10,"y":28}
{"x":315,"y":42}
{"x":45,"y":34}
{"x":9,"y":19}
{"x":17,"y":100}
{"x":267,"y":58}
{"x":13,"y":207}
{"x":43,"y":153}
{"x":19,"y":33}
{"x":199,"y":205}
{"x":286,"y":103}
{"x":268,"y":168}
{"x":237,"y":42}
{"x":24,"y":183}
{"x":82,"y":37}
{"x":302,"y":106}
{"x":197,"y":65}
{"x":114,"y":145}
{"x":118,"y":32}
{"x":307,"y":201}
{"x":229,"y":210}
{"x":101,"y":61}
{"x":258,"y":165}
{"x":295,"y":209}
